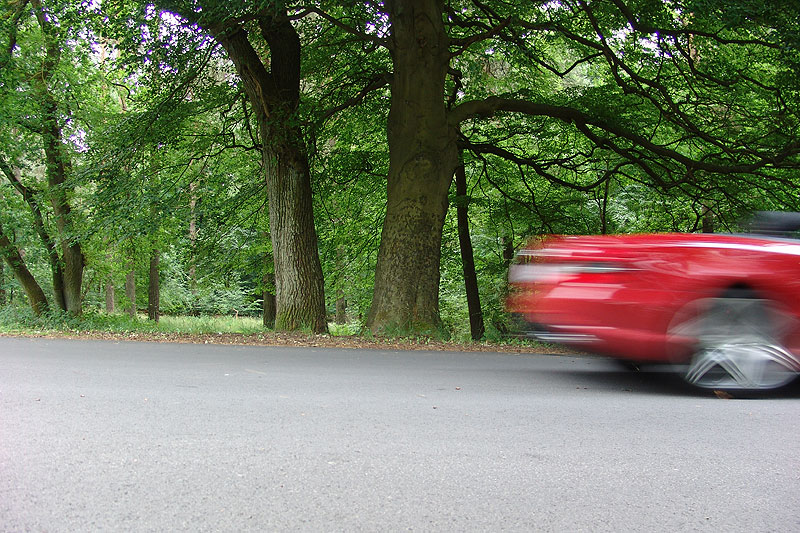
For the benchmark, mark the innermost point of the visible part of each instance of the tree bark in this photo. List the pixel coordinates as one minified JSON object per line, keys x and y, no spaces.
{"x":130,"y":284}
{"x":110,"y":296}
{"x":708,"y":220}
{"x":57,"y":165}
{"x":341,"y":299}
{"x":153,"y":287}
{"x":268,"y":282}
{"x":36,"y":297}
{"x":604,"y":208}
{"x":422,"y":158}
{"x":299,"y":285}
{"x":2,"y":284}
{"x":30,"y":196}
{"x":268,"y":310}
{"x":71,"y":253}
{"x":274,"y":95}
{"x":108,"y":288}
{"x":476,"y":326}
{"x":193,"y":241}
{"x":341,"y":307}
{"x":130,"y":289}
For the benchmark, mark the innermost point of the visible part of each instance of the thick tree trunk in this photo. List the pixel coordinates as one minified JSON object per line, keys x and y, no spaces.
{"x":299,"y":285}
{"x":476,"y":326}
{"x":154,"y":287}
{"x":274,"y":95}
{"x":422,"y":158}
{"x":36,"y":297}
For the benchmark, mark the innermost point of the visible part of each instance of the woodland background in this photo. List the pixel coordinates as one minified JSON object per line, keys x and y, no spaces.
{"x":371,"y":163}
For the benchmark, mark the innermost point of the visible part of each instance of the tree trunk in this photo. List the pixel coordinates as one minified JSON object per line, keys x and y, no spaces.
{"x":274,"y":95}
{"x":476,"y":326}
{"x":71,"y":253}
{"x":341,"y":300}
{"x":110,"y":292}
{"x":708,"y":220}
{"x":341,"y":307}
{"x":268,"y":310}
{"x":110,"y":296}
{"x":268,"y":284}
{"x":57,"y":168}
{"x":604,"y":208}
{"x":36,"y":297}
{"x":422,"y":158}
{"x":193,"y":242}
{"x":30,"y":196}
{"x":130,"y":287}
{"x":299,"y":285}
{"x":2,"y":284}
{"x":153,"y":287}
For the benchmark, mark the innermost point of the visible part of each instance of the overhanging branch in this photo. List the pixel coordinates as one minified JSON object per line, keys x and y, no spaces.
{"x":306,"y":9}
{"x":493,"y":105}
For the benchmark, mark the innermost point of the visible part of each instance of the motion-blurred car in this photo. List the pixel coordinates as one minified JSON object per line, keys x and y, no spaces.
{"x":723,"y":308}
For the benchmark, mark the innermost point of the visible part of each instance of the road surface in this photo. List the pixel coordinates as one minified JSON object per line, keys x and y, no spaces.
{"x":125,"y":436}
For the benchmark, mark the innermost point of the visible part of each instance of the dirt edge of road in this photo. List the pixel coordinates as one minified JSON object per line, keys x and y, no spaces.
{"x":305,"y":340}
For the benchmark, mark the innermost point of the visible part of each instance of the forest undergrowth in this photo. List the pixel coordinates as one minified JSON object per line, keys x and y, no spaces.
{"x":232,"y":330}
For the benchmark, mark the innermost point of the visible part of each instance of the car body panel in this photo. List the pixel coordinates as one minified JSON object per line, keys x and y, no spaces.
{"x":620,"y":295}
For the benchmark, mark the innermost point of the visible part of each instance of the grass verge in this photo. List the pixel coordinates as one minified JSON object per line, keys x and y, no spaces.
{"x":232,"y":330}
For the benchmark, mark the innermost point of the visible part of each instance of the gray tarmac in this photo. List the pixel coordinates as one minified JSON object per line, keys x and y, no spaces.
{"x":126,"y":436}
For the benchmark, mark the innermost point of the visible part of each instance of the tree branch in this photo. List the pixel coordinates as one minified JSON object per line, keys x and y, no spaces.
{"x":306,"y":9}
{"x":490,"y":33}
{"x":492,"y":105}
{"x":637,"y":25}
{"x":12,"y":34}
{"x":485,"y":148}
{"x":377,"y":82}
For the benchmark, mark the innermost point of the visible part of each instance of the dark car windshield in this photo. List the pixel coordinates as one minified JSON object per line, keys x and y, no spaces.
{"x":775,"y":223}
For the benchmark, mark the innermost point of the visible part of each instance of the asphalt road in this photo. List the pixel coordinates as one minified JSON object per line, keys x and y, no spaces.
{"x":123,"y":436}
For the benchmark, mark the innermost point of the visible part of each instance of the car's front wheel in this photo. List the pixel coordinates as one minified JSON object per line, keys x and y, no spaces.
{"x":736,"y":343}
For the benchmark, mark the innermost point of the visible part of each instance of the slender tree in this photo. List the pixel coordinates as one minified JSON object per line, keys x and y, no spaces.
{"x":10,"y":254}
{"x":154,"y":286}
{"x":130,"y":286}
{"x":2,"y":283}
{"x":476,"y":326}
{"x":33,"y":70}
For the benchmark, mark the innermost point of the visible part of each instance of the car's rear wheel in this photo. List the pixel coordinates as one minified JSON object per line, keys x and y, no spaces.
{"x":736,"y":342}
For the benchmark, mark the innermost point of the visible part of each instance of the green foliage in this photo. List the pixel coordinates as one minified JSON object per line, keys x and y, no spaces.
{"x":21,"y":320}
{"x":348,"y":329}
{"x":161,"y":138}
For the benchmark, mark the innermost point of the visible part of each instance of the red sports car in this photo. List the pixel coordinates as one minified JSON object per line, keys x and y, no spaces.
{"x":723,"y":308}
